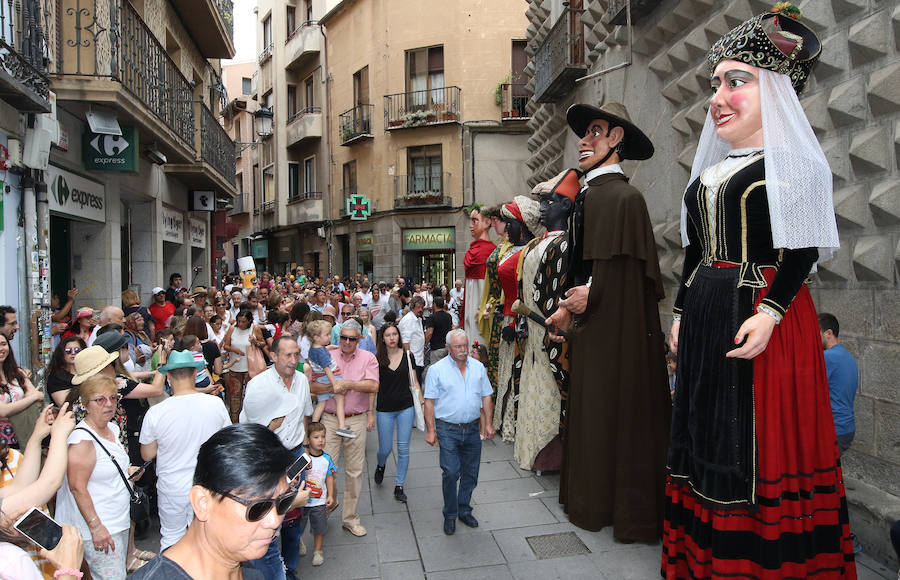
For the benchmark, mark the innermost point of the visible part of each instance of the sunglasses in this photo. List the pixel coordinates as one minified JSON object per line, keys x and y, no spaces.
{"x":73,"y":350}
{"x":350,"y":338}
{"x":258,"y":508}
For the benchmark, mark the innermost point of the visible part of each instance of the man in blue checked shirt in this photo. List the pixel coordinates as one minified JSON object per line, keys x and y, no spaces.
{"x":456,"y":390}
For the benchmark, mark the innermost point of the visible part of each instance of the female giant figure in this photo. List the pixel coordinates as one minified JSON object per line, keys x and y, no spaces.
{"x":754,"y":488}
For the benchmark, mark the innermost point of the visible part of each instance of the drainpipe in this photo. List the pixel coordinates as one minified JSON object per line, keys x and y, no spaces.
{"x":328,"y":223}
{"x":45,"y":323}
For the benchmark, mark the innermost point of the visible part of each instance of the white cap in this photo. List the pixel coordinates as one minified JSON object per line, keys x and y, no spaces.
{"x":265,"y":401}
{"x":156,"y":291}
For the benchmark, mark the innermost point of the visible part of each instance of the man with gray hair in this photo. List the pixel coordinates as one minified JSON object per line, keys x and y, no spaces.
{"x":456,"y":390}
{"x":109,"y":315}
{"x":358,"y":384}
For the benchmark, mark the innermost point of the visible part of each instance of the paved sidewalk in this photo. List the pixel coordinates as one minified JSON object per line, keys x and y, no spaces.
{"x":406,"y":541}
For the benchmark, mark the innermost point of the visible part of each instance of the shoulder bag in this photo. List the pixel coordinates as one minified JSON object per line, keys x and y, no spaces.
{"x":140,"y":502}
{"x":417,"y":403}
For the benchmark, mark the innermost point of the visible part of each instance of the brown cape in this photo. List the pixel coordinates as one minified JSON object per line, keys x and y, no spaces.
{"x":619,"y":407}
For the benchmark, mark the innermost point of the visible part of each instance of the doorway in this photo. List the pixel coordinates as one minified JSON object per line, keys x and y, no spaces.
{"x":434,"y":267}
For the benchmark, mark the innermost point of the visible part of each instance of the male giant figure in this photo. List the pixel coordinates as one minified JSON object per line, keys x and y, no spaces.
{"x":618,"y":393}
{"x":475,"y":262}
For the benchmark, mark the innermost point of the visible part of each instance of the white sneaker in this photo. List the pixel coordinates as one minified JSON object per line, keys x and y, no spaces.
{"x":302,"y":548}
{"x":318,"y":558}
{"x":346,"y":433}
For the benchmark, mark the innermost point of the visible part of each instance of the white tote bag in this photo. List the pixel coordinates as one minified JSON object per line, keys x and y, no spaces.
{"x":417,"y":403}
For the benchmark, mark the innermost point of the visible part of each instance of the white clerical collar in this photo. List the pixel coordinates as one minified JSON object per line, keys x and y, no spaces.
{"x":602,"y":170}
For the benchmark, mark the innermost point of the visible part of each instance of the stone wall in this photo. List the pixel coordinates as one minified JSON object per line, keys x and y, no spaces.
{"x":853,"y":103}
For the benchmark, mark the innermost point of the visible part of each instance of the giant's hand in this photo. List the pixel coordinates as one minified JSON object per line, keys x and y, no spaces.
{"x":757,"y":329}
{"x":576,"y":299}
{"x":562,"y":320}
{"x":673,"y":336}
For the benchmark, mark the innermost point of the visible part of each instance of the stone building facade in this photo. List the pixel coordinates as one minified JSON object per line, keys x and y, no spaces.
{"x":853,"y":103}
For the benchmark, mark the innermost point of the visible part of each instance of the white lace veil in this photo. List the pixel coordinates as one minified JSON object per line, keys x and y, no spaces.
{"x":798,"y":178}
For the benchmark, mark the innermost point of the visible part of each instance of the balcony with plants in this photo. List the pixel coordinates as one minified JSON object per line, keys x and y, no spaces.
{"x":356,"y":124}
{"x":422,"y":191}
{"x":424,"y":108}
{"x":512,"y":99}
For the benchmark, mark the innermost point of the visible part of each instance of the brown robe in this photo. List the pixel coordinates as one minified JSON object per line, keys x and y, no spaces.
{"x":619,"y":407}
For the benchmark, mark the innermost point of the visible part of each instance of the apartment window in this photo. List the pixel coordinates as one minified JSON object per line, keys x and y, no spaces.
{"x":348,"y":184}
{"x":519,"y":61}
{"x":292,"y":100}
{"x":307,"y":5}
{"x":310,"y":99}
{"x":239,"y":182}
{"x":267,"y":32}
{"x":293,"y":180}
{"x":246,"y":86}
{"x":269,"y":100}
{"x":361,"y":86}
{"x":425,"y":72}
{"x":309,"y":174}
{"x":256,"y":189}
{"x":424,"y":165}
{"x":268,"y":182}
{"x":291,"y":20}
{"x":237,"y":129}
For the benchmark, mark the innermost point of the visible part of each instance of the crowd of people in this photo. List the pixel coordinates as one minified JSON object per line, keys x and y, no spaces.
{"x":724,"y":440}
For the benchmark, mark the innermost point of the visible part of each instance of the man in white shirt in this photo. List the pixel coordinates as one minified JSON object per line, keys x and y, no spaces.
{"x":380,"y":304}
{"x":284,"y":375}
{"x":413,"y":334}
{"x":456,"y":296}
{"x":109,"y":315}
{"x":173,"y":432}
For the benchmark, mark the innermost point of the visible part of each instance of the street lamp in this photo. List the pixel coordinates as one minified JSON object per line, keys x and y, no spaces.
{"x":262,"y":121}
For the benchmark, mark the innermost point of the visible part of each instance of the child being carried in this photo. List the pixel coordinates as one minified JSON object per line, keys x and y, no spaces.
{"x":325,"y":370}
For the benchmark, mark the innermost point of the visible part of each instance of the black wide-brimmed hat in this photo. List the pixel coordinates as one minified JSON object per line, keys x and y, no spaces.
{"x":635,"y":145}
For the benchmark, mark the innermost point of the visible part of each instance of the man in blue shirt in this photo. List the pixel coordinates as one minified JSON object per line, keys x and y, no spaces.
{"x":843,"y":380}
{"x":456,"y":391}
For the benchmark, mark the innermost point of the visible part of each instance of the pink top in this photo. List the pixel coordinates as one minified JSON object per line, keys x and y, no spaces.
{"x":359,"y":366}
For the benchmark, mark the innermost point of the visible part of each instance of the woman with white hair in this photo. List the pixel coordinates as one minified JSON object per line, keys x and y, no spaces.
{"x":754,"y":487}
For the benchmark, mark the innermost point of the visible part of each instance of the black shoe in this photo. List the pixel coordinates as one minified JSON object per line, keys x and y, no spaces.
{"x":379,"y":474}
{"x":398,"y":493}
{"x":469,"y":520}
{"x":449,"y":527}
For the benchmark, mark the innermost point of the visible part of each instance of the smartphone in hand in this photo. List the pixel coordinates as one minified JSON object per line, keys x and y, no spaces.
{"x":39,"y":528}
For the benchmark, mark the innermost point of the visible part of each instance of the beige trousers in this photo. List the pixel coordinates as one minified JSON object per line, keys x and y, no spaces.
{"x":354,"y":451}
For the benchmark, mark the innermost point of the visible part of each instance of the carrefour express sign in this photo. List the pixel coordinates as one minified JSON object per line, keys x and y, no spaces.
{"x":75,"y":196}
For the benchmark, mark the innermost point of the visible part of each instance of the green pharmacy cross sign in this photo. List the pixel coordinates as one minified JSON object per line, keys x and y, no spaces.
{"x":358,"y":207}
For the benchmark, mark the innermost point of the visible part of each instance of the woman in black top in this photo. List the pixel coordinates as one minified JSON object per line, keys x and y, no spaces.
{"x":394,"y":405}
{"x":62,"y":368}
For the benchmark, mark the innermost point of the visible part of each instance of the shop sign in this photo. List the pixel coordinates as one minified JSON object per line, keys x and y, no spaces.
{"x":259,"y":249}
{"x":198,"y":233}
{"x":76,"y":196}
{"x":429,"y":239}
{"x":173,"y":226}
{"x":358,"y":207}
{"x":364,"y":242}
{"x":110,"y":152}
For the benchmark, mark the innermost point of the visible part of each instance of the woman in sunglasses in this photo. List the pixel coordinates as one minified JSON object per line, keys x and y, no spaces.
{"x":240,"y":495}
{"x":62,"y":368}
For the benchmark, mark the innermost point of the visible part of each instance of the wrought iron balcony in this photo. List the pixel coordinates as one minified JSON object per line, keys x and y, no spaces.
{"x":560,"y":59}
{"x":303,"y":196}
{"x":513,"y":99}
{"x":216,"y":147}
{"x":422,"y":108}
{"x":109,"y":40}
{"x":264,"y":207}
{"x":422,"y":191}
{"x":210,"y":23}
{"x":346,"y":192}
{"x":23,"y":73}
{"x":356,"y":124}
{"x":266,"y":54}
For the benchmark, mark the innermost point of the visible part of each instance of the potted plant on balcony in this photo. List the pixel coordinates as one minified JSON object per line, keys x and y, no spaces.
{"x":346,"y":135}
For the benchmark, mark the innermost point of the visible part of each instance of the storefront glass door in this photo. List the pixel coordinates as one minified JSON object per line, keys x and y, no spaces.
{"x":436,"y":268}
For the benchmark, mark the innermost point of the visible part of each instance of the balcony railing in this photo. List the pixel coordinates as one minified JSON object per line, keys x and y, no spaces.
{"x":266,"y":54}
{"x":346,"y":192}
{"x":513,"y":99}
{"x":303,"y":196}
{"x":304,"y":111}
{"x":241,"y":204}
{"x":22,"y":45}
{"x":226,"y":10}
{"x":356,"y":123}
{"x":422,"y":190}
{"x":299,"y":28}
{"x":264,"y":207}
{"x":216,"y":147}
{"x":108,"y":39}
{"x":422,"y":108}
{"x":560,"y":59}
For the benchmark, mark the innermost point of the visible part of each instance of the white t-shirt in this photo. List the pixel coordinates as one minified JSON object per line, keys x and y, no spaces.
{"x":456,"y":297}
{"x":292,"y":430}
{"x":180,"y":425}
{"x":411,"y":333}
{"x":366,"y":298}
{"x":105,"y":486}
{"x":378,"y":307}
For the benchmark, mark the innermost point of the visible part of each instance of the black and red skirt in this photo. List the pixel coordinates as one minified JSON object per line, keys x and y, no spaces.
{"x":754,"y":487}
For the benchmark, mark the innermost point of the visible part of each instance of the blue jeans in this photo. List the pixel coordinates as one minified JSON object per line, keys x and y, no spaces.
{"x":460,"y":458}
{"x":404,"y":421}
{"x":291,"y":531}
